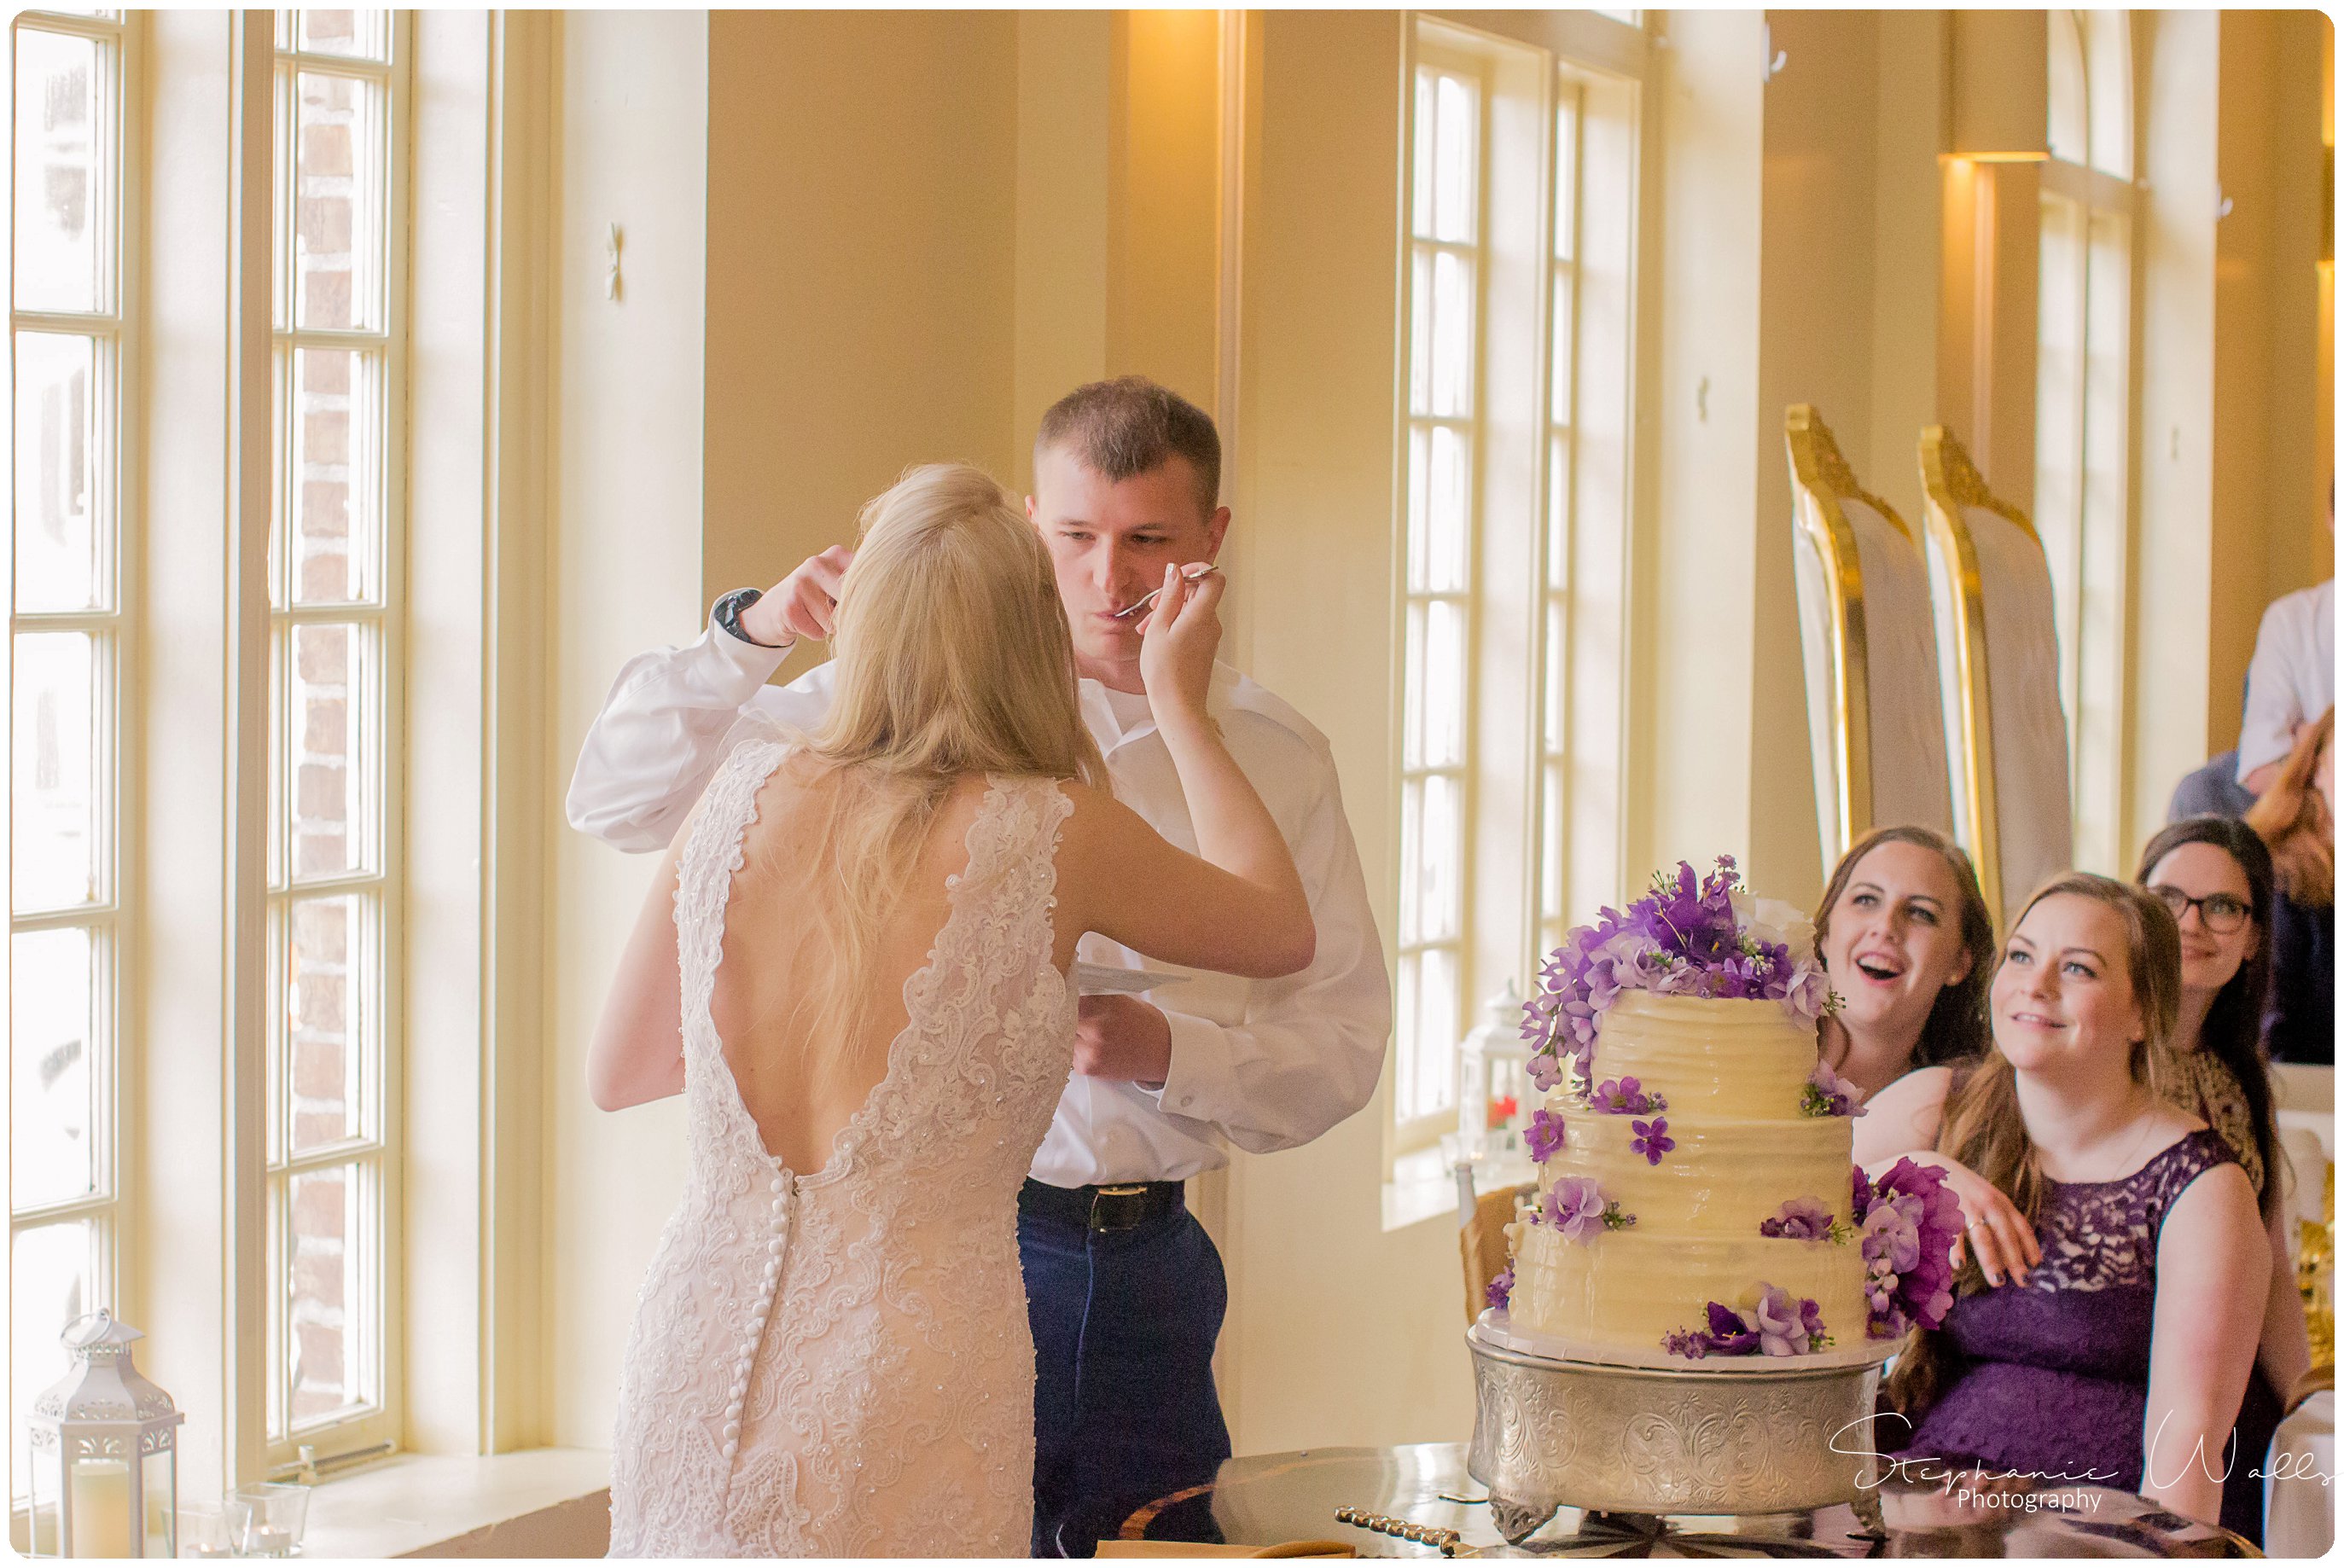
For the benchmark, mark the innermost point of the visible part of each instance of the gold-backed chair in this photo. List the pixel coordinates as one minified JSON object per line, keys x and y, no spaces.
{"x":1874,"y":719}
{"x":1998,"y":663}
{"x":1482,"y":1236}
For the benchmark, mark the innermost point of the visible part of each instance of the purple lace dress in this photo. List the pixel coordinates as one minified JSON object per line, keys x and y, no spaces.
{"x":2053,"y":1376}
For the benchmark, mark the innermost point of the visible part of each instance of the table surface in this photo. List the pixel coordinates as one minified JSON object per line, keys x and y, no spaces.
{"x":1265,"y":1499}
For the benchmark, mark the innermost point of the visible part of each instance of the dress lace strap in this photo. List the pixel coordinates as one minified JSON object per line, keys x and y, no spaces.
{"x":2161,"y":1181}
{"x":703,"y":884}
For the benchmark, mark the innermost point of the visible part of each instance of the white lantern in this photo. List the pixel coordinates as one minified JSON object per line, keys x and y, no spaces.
{"x":105,"y":1452}
{"x":1494,"y":1097}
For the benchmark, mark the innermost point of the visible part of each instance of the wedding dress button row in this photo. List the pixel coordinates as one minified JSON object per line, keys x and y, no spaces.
{"x":775,"y":1245}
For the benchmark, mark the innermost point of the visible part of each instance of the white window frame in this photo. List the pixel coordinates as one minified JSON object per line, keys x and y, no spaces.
{"x":1420,"y":1113}
{"x":373,"y":1332}
{"x":1552,"y":471}
{"x":114,"y":1057}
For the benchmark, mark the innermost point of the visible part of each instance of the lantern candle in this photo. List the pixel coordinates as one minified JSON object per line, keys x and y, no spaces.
{"x":101,"y":1508}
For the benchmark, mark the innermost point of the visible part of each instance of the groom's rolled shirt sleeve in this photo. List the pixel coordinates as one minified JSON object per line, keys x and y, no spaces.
{"x":656,"y":743}
{"x":1311,"y":1046}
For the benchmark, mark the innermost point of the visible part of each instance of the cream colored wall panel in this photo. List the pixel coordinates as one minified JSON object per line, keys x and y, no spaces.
{"x":1691,"y":660}
{"x":861,"y":212}
{"x":632,"y":123}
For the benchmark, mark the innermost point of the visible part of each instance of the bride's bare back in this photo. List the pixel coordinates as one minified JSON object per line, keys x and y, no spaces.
{"x":799,"y":1089}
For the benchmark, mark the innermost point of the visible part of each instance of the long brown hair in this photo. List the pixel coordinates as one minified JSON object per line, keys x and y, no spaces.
{"x":1982,"y":1127}
{"x":2233,"y":1029}
{"x":1956,"y":1028}
{"x":2293,"y":818}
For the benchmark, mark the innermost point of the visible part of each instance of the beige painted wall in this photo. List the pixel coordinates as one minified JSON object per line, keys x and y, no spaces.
{"x":1708,"y":442}
{"x":861,"y":263}
{"x":632,"y":119}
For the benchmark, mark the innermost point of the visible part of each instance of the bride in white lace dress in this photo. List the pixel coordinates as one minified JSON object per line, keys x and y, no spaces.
{"x":853,"y":968}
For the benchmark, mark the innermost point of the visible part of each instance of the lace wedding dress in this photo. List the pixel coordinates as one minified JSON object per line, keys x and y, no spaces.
{"x":838,"y":1363}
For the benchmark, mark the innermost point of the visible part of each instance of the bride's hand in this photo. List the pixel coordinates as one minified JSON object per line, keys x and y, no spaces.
{"x":1178,"y":641}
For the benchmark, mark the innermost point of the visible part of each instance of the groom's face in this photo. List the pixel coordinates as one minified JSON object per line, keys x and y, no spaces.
{"x":1111,"y":539}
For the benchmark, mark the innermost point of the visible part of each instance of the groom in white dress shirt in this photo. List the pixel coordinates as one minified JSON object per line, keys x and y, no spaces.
{"x":1126,"y":1292}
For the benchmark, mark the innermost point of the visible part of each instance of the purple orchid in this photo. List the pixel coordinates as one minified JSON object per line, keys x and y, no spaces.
{"x":1909,"y":1228}
{"x":1544,"y":1136}
{"x":1625,"y":1096}
{"x":1801,"y":1219}
{"x":1500,"y":1291}
{"x":1652,"y":1140}
{"x":1828,"y":1094}
{"x":1574,"y":1206}
{"x":1776,"y":1326}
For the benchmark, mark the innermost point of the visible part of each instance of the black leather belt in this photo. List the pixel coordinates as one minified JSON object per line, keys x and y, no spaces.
{"x":1114,"y":1206}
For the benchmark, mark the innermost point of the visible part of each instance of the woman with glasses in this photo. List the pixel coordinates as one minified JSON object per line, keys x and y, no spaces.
{"x":2216,"y":876}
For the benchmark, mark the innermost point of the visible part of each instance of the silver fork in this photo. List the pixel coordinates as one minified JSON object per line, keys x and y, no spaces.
{"x":1128,"y":611}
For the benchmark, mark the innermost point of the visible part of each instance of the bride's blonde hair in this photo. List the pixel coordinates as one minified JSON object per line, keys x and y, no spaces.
{"x":952,"y":657}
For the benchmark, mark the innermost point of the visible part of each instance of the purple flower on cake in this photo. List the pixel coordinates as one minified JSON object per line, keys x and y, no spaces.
{"x":1774,"y":1325}
{"x":1909,"y":1228}
{"x":1828,"y":1094}
{"x":1544,"y":1135}
{"x":1652,"y":1140}
{"x":1625,"y":1096}
{"x":1500,"y":1291}
{"x":1574,"y":1206}
{"x":1577,"y":1207}
{"x":1801,"y":1219}
{"x":1687,"y":936}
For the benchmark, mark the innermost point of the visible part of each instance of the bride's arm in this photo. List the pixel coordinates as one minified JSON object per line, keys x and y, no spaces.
{"x":637,"y":1053}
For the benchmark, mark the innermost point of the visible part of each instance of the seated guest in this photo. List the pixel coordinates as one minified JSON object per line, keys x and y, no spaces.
{"x":2296,"y":817}
{"x":2215,"y":877}
{"x":1909,"y":941}
{"x":2292,"y":678}
{"x":2213,"y":791}
{"x":2111,"y":1342}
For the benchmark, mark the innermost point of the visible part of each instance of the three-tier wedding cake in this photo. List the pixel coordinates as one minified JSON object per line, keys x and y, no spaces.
{"x":1696,"y":1197}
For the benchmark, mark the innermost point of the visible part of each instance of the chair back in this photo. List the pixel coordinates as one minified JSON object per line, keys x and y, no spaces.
{"x":1875,"y":723}
{"x":1998,"y":669}
{"x":1481,"y":1239}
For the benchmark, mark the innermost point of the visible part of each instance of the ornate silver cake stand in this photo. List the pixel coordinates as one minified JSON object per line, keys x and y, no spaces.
{"x":1742,"y":1436}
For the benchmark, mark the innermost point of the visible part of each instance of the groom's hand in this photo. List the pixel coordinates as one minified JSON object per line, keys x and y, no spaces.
{"x":1122,"y":1037}
{"x":803,"y":604}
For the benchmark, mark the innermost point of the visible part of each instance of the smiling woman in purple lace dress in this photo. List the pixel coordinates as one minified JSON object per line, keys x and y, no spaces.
{"x":2115,"y":1347}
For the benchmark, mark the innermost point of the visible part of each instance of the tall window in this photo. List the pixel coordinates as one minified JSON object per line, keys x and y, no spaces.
{"x":334,"y":600}
{"x":1446,"y":277}
{"x":67,"y":630}
{"x":1582,"y":620}
{"x":1511,"y":538}
{"x":2083,"y":431}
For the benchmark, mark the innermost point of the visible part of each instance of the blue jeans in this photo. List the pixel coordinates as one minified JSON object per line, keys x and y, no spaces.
{"x":1125,"y":1411}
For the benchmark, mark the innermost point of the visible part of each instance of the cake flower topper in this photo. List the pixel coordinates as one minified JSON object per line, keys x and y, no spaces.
{"x":1772,"y":1325}
{"x":1689,"y":936}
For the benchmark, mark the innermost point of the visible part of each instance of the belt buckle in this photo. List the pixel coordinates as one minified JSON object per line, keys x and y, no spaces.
{"x":1121,"y":1189}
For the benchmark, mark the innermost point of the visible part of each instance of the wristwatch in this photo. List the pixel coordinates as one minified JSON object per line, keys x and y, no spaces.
{"x":728,"y":615}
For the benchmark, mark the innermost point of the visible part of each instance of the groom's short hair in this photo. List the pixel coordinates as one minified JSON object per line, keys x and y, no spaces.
{"x":1127,"y":426}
